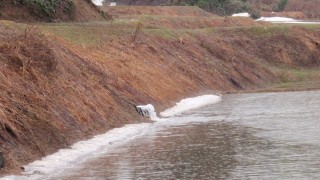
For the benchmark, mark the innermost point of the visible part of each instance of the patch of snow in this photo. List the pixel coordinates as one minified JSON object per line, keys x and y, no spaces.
{"x":113,"y":4}
{"x":97,"y":2}
{"x":300,"y":22}
{"x":245,"y":14}
{"x":65,"y":158}
{"x":286,"y":20}
{"x":277,"y":19}
{"x":191,"y":103}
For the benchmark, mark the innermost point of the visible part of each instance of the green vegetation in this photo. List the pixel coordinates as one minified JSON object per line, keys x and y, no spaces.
{"x":282,"y":4}
{"x":228,"y":7}
{"x":163,"y":33}
{"x":288,"y":75}
{"x":313,"y":27}
{"x":255,"y":14}
{"x":222,"y":7}
{"x":80,"y":35}
{"x":47,"y":8}
{"x":260,"y":31}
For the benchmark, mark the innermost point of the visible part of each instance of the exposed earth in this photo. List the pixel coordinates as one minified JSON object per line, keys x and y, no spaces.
{"x":51,"y":11}
{"x":65,"y":82}
{"x":299,"y":9}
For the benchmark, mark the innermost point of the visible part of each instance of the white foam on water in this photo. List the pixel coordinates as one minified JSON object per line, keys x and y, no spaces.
{"x":191,"y":103}
{"x":97,"y":2}
{"x":113,"y":4}
{"x":286,"y":20}
{"x":244,"y":14}
{"x":299,"y":22}
{"x":54,"y":164}
{"x":148,"y":111}
{"x":77,"y":153}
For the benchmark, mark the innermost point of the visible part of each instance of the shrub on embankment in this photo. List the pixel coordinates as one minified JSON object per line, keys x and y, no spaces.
{"x":225,"y":7}
{"x":27,"y":53}
{"x":50,"y":10}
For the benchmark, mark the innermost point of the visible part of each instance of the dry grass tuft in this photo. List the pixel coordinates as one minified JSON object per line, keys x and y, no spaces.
{"x":27,"y":52}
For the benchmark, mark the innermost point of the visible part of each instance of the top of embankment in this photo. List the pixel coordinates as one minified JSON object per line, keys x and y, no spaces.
{"x":174,"y":17}
{"x":157,"y":10}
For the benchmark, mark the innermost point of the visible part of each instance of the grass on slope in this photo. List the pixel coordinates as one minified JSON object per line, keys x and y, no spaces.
{"x":94,"y":34}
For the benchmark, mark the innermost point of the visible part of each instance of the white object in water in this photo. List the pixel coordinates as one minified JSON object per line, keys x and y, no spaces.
{"x":191,"y":103}
{"x":97,"y":2}
{"x":113,"y":4}
{"x":148,"y":111}
{"x":244,"y":14}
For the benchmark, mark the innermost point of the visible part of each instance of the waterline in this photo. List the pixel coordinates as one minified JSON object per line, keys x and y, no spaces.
{"x":101,"y":144}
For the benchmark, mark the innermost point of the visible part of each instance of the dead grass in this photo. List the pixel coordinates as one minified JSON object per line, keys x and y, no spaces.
{"x":295,"y":75}
{"x":29,"y":54}
{"x":27,"y":51}
{"x":309,"y":7}
{"x":98,"y":73}
{"x":66,"y":11}
{"x":120,"y":11}
{"x":192,"y":22}
{"x":90,"y":35}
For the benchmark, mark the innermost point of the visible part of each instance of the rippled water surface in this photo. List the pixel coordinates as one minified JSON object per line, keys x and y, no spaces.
{"x":245,"y":136}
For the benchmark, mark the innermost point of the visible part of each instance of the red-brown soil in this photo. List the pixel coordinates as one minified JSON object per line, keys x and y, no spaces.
{"x":85,"y":10}
{"x":60,"y":83}
{"x":120,"y":11}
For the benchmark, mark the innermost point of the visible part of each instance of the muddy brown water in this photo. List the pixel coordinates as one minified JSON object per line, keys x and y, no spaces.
{"x":245,"y":136}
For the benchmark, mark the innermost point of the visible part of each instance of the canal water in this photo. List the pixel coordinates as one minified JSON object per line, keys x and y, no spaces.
{"x":245,"y":136}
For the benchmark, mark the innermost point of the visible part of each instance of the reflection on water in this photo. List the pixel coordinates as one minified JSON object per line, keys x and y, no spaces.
{"x":246,"y":136}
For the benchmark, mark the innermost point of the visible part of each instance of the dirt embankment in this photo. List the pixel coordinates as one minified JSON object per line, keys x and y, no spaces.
{"x":310,"y":8}
{"x":52,"y":96}
{"x":188,"y":11}
{"x":60,"y":83}
{"x":50,"y":11}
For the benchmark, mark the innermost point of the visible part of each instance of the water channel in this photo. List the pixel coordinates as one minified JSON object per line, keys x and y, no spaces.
{"x":245,"y":136}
